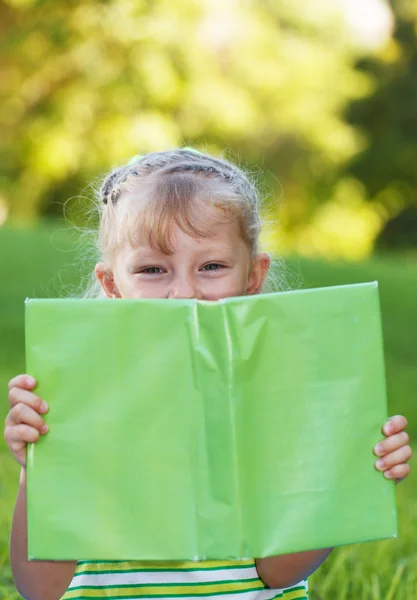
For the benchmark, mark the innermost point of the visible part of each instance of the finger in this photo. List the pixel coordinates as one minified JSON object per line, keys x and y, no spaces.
{"x":18,"y":436}
{"x":394,"y":458}
{"x":18,"y":395}
{"x":23,"y":381}
{"x":398,"y":472}
{"x":391,"y":443}
{"x":22,"y":413}
{"x":395,"y":425}
{"x":18,"y":448}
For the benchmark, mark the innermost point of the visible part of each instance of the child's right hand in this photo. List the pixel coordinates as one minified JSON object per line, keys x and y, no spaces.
{"x":23,"y":422}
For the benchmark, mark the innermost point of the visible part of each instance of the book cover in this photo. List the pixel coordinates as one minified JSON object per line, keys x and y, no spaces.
{"x":201,"y":430}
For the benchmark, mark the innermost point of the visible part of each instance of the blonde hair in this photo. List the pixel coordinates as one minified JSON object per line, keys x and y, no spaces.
{"x":171,"y":186}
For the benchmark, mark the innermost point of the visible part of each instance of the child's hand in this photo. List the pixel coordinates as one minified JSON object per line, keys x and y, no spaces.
{"x":23,"y":422}
{"x":394,"y":451}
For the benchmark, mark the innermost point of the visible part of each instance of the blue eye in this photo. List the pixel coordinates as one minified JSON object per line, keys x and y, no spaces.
{"x":215,"y":267}
{"x":152,"y":270}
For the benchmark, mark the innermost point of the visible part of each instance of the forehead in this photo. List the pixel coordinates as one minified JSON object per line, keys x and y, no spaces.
{"x":203,"y":225}
{"x":225,"y":239}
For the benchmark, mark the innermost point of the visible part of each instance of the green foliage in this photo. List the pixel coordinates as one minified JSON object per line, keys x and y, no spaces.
{"x":87,"y":84}
{"x":274,"y":85}
{"x":41,"y":262}
{"x":388,"y":117}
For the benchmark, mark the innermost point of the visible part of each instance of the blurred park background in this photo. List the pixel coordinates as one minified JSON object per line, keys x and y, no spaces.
{"x":317,"y":100}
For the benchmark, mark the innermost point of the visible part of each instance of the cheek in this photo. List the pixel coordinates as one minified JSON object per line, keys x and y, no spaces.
{"x":133,"y":287}
{"x":226,"y":287}
{"x":148,"y":293}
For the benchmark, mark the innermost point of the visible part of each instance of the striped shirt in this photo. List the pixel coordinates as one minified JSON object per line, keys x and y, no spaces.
{"x":191,"y":580}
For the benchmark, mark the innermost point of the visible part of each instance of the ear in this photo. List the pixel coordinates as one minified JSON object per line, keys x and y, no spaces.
{"x":105,"y":277}
{"x":260,"y":266}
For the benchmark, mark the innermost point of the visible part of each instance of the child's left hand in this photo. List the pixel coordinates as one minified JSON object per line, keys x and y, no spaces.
{"x":394,"y":451}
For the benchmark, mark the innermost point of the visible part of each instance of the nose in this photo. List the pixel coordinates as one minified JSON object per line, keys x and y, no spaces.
{"x":183,"y":288}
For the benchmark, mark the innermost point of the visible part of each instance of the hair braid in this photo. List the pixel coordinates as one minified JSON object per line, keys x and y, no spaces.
{"x":172,"y":161}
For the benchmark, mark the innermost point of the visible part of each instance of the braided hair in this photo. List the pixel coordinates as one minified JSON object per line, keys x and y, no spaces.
{"x":185,"y":160}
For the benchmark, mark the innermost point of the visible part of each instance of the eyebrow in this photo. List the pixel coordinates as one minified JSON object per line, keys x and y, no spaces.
{"x":141,"y":251}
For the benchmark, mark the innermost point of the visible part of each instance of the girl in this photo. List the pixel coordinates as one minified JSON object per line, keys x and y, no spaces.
{"x":174,"y":224}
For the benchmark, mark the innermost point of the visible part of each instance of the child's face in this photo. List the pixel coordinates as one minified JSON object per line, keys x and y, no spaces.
{"x":206,"y":268}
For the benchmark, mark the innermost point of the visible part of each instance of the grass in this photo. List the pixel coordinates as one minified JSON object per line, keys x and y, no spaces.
{"x":42,"y":262}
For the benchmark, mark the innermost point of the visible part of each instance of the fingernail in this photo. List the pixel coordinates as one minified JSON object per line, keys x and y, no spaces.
{"x":44,"y":406}
{"x":388,"y":475}
{"x":379,"y":464}
{"x":30,"y":380}
{"x":378,"y":449}
{"x":44,"y":428}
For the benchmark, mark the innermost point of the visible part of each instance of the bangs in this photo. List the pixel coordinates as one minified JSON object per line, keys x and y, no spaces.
{"x":196,"y":204}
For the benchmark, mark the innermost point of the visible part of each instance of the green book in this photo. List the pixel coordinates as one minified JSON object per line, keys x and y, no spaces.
{"x":186,"y":429}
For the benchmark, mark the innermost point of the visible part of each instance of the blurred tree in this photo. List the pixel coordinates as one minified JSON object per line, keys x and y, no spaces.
{"x":86,"y":84}
{"x":387,"y":166}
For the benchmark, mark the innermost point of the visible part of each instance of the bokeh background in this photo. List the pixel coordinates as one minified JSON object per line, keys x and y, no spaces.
{"x":317,"y":100}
